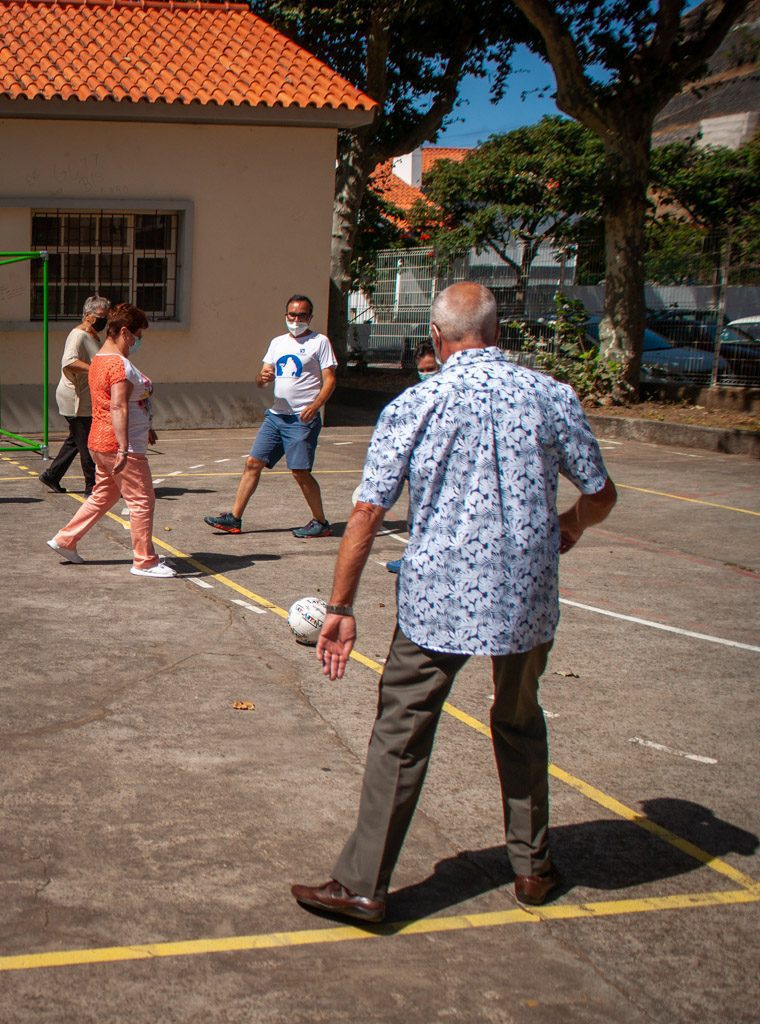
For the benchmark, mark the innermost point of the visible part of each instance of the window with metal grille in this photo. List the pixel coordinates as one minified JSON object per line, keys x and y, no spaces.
{"x":125,"y":256}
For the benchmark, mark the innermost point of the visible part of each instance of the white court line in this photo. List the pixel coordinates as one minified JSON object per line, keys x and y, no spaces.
{"x":392,"y":533}
{"x":339,"y":444}
{"x":670,"y":750}
{"x":201,"y":583}
{"x":608,"y":440}
{"x":199,"y":466}
{"x":659,"y":625}
{"x":221,"y":460}
{"x":250,"y":607}
{"x":159,"y":481}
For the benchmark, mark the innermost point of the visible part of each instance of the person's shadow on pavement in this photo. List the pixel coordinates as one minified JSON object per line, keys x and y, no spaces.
{"x":606,"y":854}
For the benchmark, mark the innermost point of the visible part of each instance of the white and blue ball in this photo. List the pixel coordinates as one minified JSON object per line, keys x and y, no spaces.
{"x":306,"y":618}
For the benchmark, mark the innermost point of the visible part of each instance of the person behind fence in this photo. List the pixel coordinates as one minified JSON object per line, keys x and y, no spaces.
{"x":425,"y":361}
{"x":73,"y":395}
{"x":121,"y":431}
{"x":301,"y":363}
{"x":482,"y":444}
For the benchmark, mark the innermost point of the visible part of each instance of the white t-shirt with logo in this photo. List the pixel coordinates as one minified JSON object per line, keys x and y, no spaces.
{"x":298,"y":365}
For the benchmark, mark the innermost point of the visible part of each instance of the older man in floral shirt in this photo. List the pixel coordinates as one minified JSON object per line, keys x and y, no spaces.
{"x":482,"y":445}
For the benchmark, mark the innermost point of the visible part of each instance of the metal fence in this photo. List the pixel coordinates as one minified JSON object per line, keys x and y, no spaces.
{"x":692,"y":334}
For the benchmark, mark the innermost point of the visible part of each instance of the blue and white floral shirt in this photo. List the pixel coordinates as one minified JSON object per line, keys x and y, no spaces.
{"x":481,"y":444}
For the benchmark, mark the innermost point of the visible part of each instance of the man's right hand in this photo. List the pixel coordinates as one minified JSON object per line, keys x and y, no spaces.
{"x":266,"y":376}
{"x":336,"y":641}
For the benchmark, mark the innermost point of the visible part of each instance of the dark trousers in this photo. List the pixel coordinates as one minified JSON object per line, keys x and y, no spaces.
{"x":413,"y":689}
{"x":79,"y":431}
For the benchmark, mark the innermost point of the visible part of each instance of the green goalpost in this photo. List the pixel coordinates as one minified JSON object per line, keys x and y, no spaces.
{"x":17,"y":442}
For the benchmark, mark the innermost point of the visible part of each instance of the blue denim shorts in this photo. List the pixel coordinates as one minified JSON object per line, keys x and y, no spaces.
{"x":288,"y":436}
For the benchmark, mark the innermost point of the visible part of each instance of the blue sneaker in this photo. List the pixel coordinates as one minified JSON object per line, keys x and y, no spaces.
{"x":393,"y":566}
{"x":313,"y":529}
{"x":226,"y":522}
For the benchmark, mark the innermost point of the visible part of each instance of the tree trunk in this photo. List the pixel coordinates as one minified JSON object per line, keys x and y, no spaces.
{"x":350,"y":182}
{"x":621,"y":331}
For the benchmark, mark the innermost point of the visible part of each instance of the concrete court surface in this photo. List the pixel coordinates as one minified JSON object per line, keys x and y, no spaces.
{"x":150,"y":832}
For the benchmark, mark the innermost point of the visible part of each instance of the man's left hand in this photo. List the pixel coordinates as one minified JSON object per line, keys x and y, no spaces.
{"x":152,"y":436}
{"x":308,"y":414}
{"x":336,"y":641}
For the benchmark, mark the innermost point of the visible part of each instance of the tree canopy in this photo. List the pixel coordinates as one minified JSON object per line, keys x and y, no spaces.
{"x":531,"y":185}
{"x":616,"y":64}
{"x":408,"y":55}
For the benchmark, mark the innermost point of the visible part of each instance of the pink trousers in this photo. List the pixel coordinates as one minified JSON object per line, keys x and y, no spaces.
{"x":135,"y":485}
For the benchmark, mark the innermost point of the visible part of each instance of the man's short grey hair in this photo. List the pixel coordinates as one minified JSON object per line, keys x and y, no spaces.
{"x":466,"y":309}
{"x":95,"y":304}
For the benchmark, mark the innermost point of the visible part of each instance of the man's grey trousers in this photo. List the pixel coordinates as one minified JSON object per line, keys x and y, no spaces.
{"x":413,"y":689}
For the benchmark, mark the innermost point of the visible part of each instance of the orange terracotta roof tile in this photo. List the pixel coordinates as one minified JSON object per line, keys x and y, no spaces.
{"x":167,"y":51}
{"x":432,"y":154}
{"x":396,"y":191}
{"x":393,"y":189}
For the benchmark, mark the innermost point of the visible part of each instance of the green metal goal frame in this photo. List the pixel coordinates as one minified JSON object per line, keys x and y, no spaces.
{"x":19,"y":442}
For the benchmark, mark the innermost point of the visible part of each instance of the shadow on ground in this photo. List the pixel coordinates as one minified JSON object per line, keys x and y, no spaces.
{"x":177,"y":492}
{"x":608,"y":855}
{"x":222,"y":563}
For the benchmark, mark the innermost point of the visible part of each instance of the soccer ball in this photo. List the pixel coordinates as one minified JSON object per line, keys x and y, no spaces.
{"x":306,"y":618}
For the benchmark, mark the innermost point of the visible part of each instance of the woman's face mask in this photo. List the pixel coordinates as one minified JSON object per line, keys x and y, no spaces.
{"x":136,"y":343}
{"x":99,"y":323}
{"x":425,"y":374}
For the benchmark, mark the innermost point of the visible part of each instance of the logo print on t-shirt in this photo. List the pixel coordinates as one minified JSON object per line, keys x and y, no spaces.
{"x":288,"y":366}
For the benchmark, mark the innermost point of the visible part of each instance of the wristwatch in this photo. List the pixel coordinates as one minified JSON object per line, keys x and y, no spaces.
{"x":340,"y":609}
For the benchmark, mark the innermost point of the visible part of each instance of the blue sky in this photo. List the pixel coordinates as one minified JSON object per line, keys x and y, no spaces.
{"x":477,"y":118}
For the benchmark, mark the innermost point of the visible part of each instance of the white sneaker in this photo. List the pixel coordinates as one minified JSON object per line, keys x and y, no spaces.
{"x":70,"y":554}
{"x":162,"y":570}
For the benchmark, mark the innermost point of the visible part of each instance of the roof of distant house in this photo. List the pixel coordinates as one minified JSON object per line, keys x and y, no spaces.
{"x":393,"y":189}
{"x":161,"y":52}
{"x":432,"y":154}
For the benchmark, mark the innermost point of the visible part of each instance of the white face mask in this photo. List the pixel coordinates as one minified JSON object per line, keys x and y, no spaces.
{"x":296,"y":328}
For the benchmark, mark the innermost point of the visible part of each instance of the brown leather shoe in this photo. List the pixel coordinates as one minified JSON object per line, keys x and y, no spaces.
{"x":533,"y":889}
{"x":335,"y":898}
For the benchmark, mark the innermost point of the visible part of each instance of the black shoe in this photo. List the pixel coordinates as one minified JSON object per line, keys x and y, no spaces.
{"x":52,"y":484}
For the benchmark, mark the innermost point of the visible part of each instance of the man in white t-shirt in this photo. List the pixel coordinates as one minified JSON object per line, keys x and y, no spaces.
{"x":302,"y":365}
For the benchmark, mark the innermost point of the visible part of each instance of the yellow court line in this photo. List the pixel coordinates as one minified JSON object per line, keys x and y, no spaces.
{"x":351,"y":933}
{"x":270,"y":472}
{"x":593,"y":794}
{"x":353,"y":472}
{"x":681,"y":497}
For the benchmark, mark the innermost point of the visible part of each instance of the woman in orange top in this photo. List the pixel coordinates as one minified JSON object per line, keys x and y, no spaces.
{"x":119,"y":437}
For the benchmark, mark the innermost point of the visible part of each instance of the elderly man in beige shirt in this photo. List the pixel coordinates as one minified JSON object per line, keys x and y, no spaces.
{"x":73,"y":395}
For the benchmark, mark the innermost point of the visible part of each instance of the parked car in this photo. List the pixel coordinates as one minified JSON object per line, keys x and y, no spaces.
{"x":692,"y":328}
{"x":740,"y":347}
{"x":662,"y":360}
